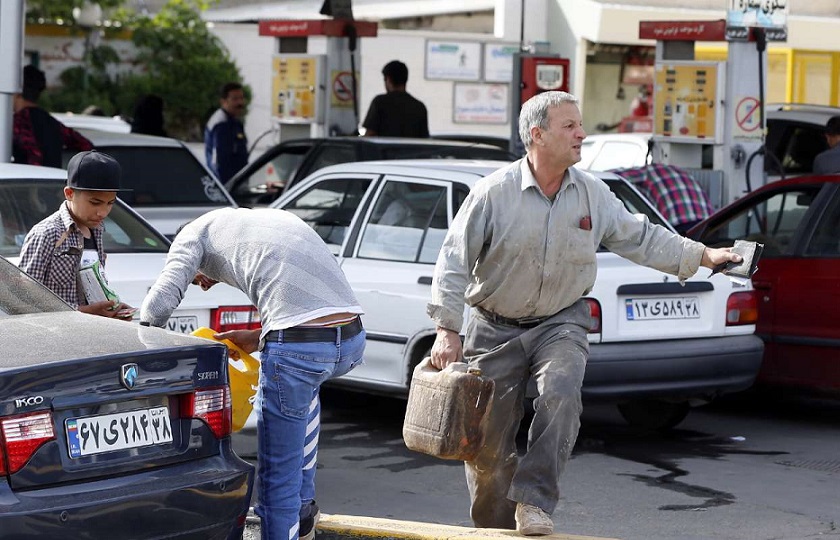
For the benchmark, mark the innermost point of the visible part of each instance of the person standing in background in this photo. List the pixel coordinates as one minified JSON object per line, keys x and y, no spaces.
{"x":37,"y":137}
{"x":828,"y":161}
{"x":225,"y":144}
{"x":396,"y":113}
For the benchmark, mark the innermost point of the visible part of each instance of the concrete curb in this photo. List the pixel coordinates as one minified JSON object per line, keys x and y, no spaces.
{"x":340,"y":527}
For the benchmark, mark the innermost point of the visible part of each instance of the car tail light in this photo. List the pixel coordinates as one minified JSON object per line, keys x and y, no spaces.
{"x":211,"y":405}
{"x":595,"y":316}
{"x":742,"y":308}
{"x":226,"y":318}
{"x":21,"y":436}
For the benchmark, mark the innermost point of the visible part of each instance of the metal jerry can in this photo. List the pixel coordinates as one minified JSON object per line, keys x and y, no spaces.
{"x":447,"y":410}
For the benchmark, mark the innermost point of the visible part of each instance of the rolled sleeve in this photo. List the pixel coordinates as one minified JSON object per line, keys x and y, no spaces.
{"x":460,"y":251}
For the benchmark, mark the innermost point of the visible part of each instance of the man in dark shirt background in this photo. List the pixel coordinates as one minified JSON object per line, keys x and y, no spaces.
{"x":396,"y":113}
{"x":37,"y":137}
{"x":225,"y":144}
{"x":828,"y":161}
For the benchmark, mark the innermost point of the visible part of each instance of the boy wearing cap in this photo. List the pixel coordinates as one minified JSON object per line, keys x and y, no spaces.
{"x":55,"y":248}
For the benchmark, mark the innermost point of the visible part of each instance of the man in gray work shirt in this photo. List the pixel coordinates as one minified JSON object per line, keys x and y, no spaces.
{"x":310,"y":332}
{"x":521,"y":251}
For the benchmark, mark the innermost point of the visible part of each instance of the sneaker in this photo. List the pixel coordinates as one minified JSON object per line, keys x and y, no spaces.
{"x":306,"y":530}
{"x":532,"y":520}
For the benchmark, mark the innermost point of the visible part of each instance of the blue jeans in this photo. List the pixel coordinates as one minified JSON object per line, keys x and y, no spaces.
{"x":288,"y":425}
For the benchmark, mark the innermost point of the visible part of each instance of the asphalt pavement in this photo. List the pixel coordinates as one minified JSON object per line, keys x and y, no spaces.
{"x":748,"y":468}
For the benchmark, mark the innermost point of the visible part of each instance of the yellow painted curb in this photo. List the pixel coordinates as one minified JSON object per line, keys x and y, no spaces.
{"x":415,"y":530}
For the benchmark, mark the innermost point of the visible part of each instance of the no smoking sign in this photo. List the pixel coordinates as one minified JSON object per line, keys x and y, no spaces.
{"x":342,"y":89}
{"x":748,"y":116}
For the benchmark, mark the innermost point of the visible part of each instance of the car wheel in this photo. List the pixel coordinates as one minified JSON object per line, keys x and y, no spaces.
{"x":654,"y":415}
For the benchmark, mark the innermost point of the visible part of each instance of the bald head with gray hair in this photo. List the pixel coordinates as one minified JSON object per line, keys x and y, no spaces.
{"x":534,"y":112}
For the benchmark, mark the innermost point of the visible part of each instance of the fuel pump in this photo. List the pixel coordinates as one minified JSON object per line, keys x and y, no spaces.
{"x":314,"y":76}
{"x":532,"y":75}
{"x":709,"y":116}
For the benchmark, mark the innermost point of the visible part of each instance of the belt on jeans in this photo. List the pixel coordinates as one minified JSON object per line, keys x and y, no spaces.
{"x":527,"y":322}
{"x":298,"y":334}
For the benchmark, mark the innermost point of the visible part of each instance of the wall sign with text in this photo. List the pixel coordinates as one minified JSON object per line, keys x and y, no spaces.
{"x":453,"y":60}
{"x":478,"y":103}
{"x":498,"y":61}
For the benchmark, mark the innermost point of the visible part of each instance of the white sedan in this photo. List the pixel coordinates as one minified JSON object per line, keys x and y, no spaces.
{"x":136,"y":251}
{"x":657,"y":347}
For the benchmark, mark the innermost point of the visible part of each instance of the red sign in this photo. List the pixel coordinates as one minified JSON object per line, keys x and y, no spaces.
{"x":683,"y":30}
{"x":317,"y":27}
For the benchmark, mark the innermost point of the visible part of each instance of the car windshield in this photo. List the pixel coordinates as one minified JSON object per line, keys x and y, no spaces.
{"x":23,"y":203}
{"x":20,"y":294}
{"x":165,"y":177}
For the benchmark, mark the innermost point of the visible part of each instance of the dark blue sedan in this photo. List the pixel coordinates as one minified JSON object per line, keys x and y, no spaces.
{"x":109,"y":429}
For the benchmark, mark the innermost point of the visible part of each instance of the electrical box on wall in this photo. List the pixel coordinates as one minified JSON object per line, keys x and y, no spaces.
{"x":532,"y":75}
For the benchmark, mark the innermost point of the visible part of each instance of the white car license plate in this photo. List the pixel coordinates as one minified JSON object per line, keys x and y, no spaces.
{"x":118,"y":431}
{"x":656,"y":309}
{"x":185,"y":324}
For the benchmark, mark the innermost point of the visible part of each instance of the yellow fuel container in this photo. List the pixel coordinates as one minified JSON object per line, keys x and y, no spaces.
{"x":244,"y":376}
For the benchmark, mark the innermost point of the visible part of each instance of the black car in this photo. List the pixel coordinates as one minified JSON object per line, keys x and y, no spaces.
{"x":269,"y":176}
{"x":109,"y":429}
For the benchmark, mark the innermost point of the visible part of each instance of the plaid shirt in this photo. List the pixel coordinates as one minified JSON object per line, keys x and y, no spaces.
{"x":674,"y":192}
{"x":26,"y":143}
{"x":52,"y":252}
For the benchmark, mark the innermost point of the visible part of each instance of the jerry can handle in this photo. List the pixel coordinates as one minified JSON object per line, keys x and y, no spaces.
{"x":425,"y":366}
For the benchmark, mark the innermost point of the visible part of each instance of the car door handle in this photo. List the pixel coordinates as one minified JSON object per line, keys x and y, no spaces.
{"x":424,"y":280}
{"x":762,"y":285}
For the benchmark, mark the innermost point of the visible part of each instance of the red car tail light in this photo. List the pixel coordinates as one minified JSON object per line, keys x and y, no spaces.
{"x":595,"y":320}
{"x":22,"y":435}
{"x":742,"y":308}
{"x":226,"y":318}
{"x":212,"y":406}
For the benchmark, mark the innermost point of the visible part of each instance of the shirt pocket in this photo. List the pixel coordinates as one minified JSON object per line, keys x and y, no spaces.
{"x":580,"y":248}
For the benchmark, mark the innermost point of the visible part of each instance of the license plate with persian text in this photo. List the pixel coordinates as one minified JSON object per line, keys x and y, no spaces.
{"x":118,"y":431}
{"x":667,"y":308}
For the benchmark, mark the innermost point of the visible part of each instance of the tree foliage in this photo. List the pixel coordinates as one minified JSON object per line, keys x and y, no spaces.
{"x":61,"y":10}
{"x":185,"y":62}
{"x":178,"y":59}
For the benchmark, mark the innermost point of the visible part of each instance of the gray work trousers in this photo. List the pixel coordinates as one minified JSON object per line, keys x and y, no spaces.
{"x":554,"y":354}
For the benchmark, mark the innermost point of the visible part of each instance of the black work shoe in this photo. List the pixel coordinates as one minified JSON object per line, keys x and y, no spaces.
{"x":306,"y":530}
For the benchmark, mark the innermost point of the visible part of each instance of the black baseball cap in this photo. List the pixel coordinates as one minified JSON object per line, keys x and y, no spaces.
{"x":94,"y":171}
{"x":832,"y":127}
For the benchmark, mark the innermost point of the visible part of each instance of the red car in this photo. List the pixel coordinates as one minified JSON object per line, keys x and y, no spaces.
{"x":798,"y":277}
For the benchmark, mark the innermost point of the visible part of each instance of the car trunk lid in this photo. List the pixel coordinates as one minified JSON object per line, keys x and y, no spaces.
{"x":141,"y":403}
